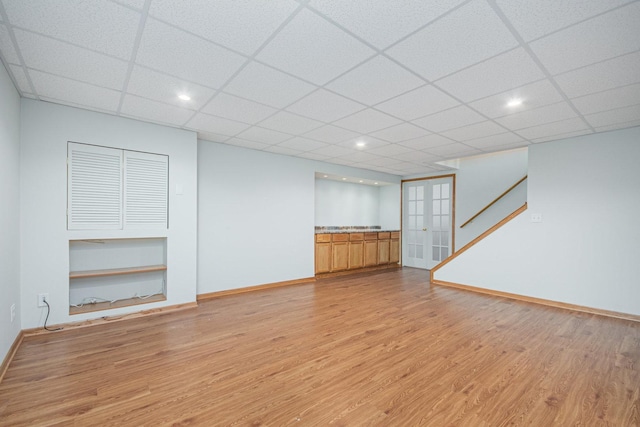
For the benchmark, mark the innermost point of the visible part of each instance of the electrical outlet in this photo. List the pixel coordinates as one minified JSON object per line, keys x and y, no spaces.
{"x":13,"y":312}
{"x":41,"y":300}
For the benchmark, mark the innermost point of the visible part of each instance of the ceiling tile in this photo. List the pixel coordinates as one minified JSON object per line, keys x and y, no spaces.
{"x":449,"y":119}
{"x":608,"y":100}
{"x":390,"y":150}
{"x":234,"y":108}
{"x":493,"y":141}
{"x":7,"y":48}
{"x":333,"y":151}
{"x":388,"y":79}
{"x":562,"y":136}
{"x":609,"y":74}
{"x":416,"y":157}
{"x":367,"y":121}
{"x":552,"y":129}
{"x":65,"y":60}
{"x":277,"y":149}
{"x":313,"y":156}
{"x":533,"y":95}
{"x":453,"y":150}
{"x":400,"y":132}
{"x":213,"y":137}
{"x":300,"y":48}
{"x":382,"y":23}
{"x":369,"y":142}
{"x":417,"y":103}
{"x":215,"y":124}
{"x":341,"y":161}
{"x":538,"y":116}
{"x":81,"y":94}
{"x":507,"y":71}
{"x":20,"y":78}
{"x":426,"y":142}
{"x":290,"y":123}
{"x":597,"y":39}
{"x":186,"y":56}
{"x":160,"y":87}
{"x":331,"y":134}
{"x":254,"y":145}
{"x":266,"y":136}
{"x":325,"y":106}
{"x":136,"y":4}
{"x":302,"y":144}
{"x":474,"y":32}
{"x":268,"y":86}
{"x":98,"y":25}
{"x":242,"y":25}
{"x":157,"y":112}
{"x":618,"y":126}
{"x":474,"y":131}
{"x":359,"y":157}
{"x":619,"y":115}
{"x":533,"y":19}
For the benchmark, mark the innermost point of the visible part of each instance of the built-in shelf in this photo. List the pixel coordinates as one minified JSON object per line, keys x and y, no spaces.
{"x":116,"y":271}
{"x":107,"y":305}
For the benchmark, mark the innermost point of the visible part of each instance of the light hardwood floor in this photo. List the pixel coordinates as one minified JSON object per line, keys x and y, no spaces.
{"x":381,"y":349}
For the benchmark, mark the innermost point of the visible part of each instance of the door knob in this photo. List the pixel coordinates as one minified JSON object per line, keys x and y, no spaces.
{"x":424,"y":229}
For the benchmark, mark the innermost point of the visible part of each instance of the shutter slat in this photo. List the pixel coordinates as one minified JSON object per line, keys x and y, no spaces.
{"x":146,"y":190}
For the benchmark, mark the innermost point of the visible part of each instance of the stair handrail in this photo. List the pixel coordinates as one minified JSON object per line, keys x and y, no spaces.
{"x":494,"y":201}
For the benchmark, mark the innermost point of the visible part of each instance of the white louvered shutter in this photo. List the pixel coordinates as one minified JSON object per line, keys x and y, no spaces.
{"x":146,"y":190}
{"x":94,"y":193}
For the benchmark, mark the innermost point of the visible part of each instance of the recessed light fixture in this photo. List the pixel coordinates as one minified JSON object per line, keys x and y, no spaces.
{"x":515,"y":102}
{"x":360,"y":181}
{"x":344,"y":179}
{"x":360,"y":144}
{"x":375,"y":183}
{"x":184,"y":97}
{"x":325,"y":176}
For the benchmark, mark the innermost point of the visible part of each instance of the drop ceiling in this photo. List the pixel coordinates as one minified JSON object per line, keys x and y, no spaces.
{"x":417,"y":81}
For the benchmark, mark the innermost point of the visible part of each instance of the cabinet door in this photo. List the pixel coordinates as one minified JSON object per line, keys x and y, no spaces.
{"x":394,"y":251}
{"x":383,"y":251}
{"x":356,"y":255}
{"x":340,"y":256}
{"x":370,"y":253}
{"x":323,"y":257}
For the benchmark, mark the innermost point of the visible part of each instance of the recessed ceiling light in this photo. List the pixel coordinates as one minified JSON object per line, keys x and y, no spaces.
{"x":360,"y":181}
{"x":325,"y":176}
{"x":375,"y":183}
{"x":515,"y":102}
{"x":184,"y":97}
{"x":360,"y":144}
{"x":344,"y":179}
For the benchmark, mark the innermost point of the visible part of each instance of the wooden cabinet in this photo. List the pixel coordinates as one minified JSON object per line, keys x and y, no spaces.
{"x":339,"y":252}
{"x":356,"y":250}
{"x":370,"y":249}
{"x":352,"y":251}
{"x":323,"y":253}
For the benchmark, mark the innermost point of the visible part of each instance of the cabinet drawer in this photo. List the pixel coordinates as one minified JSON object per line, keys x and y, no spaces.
{"x":323,"y":238}
{"x":370,"y":236}
{"x":395,"y":234}
{"x":340,"y":237}
{"x":356,"y":237}
{"x":384,"y":235}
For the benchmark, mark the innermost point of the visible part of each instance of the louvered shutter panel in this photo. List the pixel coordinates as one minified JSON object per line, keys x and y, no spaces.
{"x":94,"y":190}
{"x":146,"y":190}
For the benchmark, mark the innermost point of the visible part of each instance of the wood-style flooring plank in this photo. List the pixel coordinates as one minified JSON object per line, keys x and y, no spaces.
{"x":383,"y":349}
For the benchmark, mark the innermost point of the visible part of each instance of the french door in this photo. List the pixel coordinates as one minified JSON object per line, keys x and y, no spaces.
{"x":427,"y":223}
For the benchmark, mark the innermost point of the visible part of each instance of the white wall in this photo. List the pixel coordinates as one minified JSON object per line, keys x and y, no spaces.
{"x":256,"y":215}
{"x":345,"y":203}
{"x":480,"y":180}
{"x":44,"y":132}
{"x":390,"y":207}
{"x":585,"y":250}
{"x":9,"y":211}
